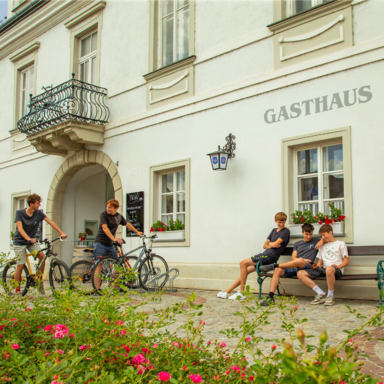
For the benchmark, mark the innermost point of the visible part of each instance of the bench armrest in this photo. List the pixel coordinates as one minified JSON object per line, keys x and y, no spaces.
{"x":258,"y":265}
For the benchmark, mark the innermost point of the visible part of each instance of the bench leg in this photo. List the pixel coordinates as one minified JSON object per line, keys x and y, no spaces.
{"x":278,"y":291}
{"x":380,"y":284}
{"x":260,"y":281}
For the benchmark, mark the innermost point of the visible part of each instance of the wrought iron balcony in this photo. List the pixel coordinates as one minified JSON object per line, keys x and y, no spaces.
{"x":66,"y":117}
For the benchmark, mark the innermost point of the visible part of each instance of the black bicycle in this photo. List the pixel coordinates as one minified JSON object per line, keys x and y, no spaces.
{"x":148,"y":270}
{"x":59,"y":272}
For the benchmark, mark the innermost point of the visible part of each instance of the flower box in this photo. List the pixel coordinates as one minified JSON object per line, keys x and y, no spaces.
{"x":338,"y":228}
{"x":170,"y":235}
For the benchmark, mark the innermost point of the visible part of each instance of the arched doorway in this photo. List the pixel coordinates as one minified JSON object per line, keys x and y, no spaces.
{"x":85,"y":169}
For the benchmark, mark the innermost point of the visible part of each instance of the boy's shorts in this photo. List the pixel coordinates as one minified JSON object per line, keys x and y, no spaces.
{"x":100,"y":249}
{"x":265,"y":259}
{"x":21,"y":252}
{"x":289,"y":272}
{"x":320,"y":272}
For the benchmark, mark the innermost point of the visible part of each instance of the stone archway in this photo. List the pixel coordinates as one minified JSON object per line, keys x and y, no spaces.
{"x":65,"y":173}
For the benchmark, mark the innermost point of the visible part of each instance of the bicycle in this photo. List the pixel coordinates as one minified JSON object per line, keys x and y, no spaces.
{"x":152,"y":270}
{"x":59,"y":273}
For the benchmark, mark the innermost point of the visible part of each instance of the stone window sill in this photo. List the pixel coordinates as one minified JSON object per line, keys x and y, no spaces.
{"x":309,"y":15}
{"x":171,"y":68}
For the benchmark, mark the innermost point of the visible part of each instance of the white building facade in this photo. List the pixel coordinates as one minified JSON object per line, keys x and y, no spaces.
{"x":299,"y":83}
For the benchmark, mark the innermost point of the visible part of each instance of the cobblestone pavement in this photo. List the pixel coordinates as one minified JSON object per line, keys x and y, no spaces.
{"x":219,"y":315}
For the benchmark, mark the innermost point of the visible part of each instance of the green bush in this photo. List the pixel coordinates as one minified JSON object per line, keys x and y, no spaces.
{"x":81,"y":339}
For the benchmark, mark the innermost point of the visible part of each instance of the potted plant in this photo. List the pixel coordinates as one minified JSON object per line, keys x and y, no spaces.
{"x":334,"y":218}
{"x":82,"y":236}
{"x":175,"y":230}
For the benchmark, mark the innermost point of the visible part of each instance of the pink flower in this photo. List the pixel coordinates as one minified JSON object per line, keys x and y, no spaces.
{"x":273,"y":347}
{"x":295,"y":308}
{"x":164,"y":376}
{"x":60,"y":351}
{"x":15,"y":346}
{"x":251,"y":378}
{"x":208,"y":342}
{"x":123,"y":332}
{"x":138,"y":359}
{"x":155,"y":345}
{"x":196,"y":378}
{"x":223,"y":345}
{"x":47,"y":328}
{"x":248,"y":339}
{"x":71,"y":335}
{"x":351,"y":341}
{"x":82,"y":347}
{"x":61,"y":331}
{"x":203,"y":322}
{"x":184,"y":368}
{"x":28,"y":309}
{"x":119,"y":322}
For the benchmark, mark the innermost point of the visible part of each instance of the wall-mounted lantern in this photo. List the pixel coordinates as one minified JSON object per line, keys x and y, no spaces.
{"x":219,"y":158}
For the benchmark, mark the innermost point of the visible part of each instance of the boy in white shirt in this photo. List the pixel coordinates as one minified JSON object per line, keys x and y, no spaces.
{"x":333,"y":257}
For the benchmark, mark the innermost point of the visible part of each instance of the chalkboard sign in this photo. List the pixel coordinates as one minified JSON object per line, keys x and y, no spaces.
{"x":135,"y":212}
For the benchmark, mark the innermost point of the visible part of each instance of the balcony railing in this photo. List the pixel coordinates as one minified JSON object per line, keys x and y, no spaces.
{"x":72,"y":100}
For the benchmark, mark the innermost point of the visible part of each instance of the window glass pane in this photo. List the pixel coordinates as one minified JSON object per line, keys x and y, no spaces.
{"x":167,"y":204}
{"x":314,"y":207}
{"x":333,"y":186}
{"x":31,"y":73}
{"x":93,"y":73}
{"x":81,"y":78}
{"x":308,"y":189}
{"x":181,"y":216}
{"x":86,"y":71}
{"x":180,"y":202}
{"x":94,"y":42}
{"x":333,"y":158}
{"x":180,"y":181}
{"x":167,"y":183}
{"x":183,"y":33}
{"x":24,"y":80}
{"x":182,"y":3}
{"x":303,"y":5}
{"x":167,"y":40}
{"x":307,"y":161}
{"x":85,"y":46}
{"x":167,"y":7}
{"x":165,"y":218}
{"x":337,"y":204}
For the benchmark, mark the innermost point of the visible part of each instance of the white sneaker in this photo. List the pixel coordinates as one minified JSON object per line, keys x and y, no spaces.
{"x":222,"y":294}
{"x":236,"y":295}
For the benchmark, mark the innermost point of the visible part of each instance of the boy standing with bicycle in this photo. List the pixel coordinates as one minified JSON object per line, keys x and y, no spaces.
{"x":27,"y":223}
{"x":109,"y":222}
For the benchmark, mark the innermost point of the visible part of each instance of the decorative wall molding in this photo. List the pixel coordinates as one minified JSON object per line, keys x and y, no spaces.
{"x":35,"y":25}
{"x":25,"y":51}
{"x":87,"y":12}
{"x":310,"y":35}
{"x":170,"y":84}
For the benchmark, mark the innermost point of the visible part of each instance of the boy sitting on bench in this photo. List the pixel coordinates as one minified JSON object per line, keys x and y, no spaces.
{"x":333,"y":257}
{"x":303,"y":257}
{"x":274,"y":246}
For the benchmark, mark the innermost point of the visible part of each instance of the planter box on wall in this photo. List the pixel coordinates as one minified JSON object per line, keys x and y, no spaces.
{"x":170,"y":236}
{"x":338,"y":228}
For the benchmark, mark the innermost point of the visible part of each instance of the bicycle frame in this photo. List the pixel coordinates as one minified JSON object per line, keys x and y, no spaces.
{"x":143,"y":252}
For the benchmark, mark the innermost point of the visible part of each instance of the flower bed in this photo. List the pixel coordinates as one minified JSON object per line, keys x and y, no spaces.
{"x":78,"y":339}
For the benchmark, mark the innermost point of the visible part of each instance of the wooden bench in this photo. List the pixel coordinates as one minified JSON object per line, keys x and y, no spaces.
{"x":353,"y":251}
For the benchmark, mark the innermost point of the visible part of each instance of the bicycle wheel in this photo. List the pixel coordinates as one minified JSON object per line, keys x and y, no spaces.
{"x":81,"y":274}
{"x":59,"y":276}
{"x":105,"y":275}
{"x":152,"y":272}
{"x":131,"y":280}
{"x":9,"y":282}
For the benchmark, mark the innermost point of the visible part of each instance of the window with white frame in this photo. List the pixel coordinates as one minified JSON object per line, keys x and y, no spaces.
{"x":173,"y":31}
{"x":172,"y":196}
{"x":26,"y":89}
{"x":87,"y":58}
{"x":319,"y":177}
{"x":298,"y":6}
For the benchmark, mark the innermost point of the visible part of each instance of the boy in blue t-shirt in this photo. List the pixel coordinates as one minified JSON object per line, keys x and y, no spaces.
{"x":274,"y":246}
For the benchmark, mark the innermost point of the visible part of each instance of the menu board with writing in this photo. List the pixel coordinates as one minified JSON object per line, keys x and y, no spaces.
{"x":135,"y":212}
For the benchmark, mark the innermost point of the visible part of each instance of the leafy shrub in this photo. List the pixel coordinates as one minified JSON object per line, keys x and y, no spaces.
{"x":80,"y":339}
